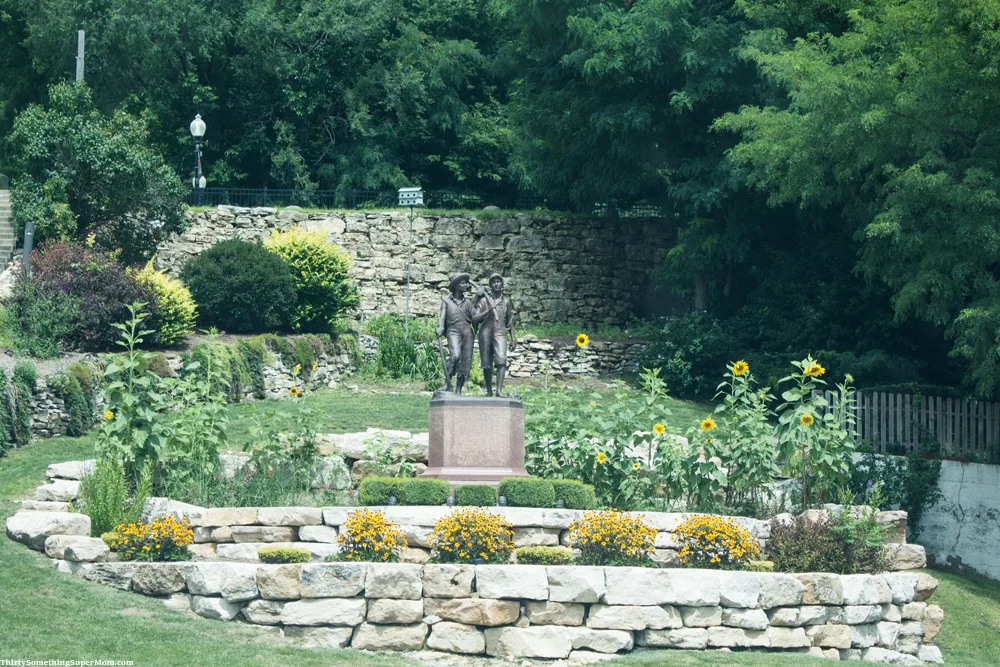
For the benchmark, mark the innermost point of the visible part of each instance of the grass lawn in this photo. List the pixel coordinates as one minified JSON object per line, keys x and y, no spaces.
{"x":45,"y":614}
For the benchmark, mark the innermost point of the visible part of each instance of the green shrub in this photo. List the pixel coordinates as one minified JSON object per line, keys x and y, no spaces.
{"x":172,"y":312}
{"x":323,"y":287}
{"x":106,"y":498}
{"x":25,"y":376}
{"x":6,"y":415}
{"x":401,"y":353}
{"x":39,"y":319}
{"x":689,"y":350}
{"x":254,"y":356}
{"x":543,"y":556}
{"x":80,"y":414}
{"x":240,"y":287}
{"x":283,"y":555}
{"x":424,"y":492}
{"x":576,"y":495}
{"x":376,"y":490}
{"x":478,"y":495}
{"x":527,"y":492}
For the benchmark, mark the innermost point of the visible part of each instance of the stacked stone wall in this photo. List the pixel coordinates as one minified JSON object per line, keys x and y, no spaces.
{"x":565,"y":269}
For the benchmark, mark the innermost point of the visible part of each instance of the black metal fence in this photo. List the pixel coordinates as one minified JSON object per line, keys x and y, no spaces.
{"x":387,"y":199}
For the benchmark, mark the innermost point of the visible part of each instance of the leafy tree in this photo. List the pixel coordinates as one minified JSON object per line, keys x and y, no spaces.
{"x":79,"y":170}
{"x":890,"y":126}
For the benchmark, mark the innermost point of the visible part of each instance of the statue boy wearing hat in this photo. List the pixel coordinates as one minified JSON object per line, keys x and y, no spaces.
{"x":455,"y":324}
{"x":494,"y":314}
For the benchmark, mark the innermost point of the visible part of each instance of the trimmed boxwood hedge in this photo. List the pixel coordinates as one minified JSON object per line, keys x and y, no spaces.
{"x":527,"y":492}
{"x":477,"y":495}
{"x":376,"y":491}
{"x":576,"y":495}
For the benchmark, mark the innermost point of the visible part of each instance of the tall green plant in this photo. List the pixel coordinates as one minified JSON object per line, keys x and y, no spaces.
{"x":108,"y":497}
{"x":816,"y":440}
{"x":133,"y":429}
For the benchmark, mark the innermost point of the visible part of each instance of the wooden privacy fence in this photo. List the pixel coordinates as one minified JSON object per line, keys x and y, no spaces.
{"x":964,"y":428}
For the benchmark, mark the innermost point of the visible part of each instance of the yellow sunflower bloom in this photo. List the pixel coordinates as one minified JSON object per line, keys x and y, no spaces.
{"x":814,"y":370}
{"x":108,"y":415}
{"x":659,"y":429}
{"x":582,"y":340}
{"x":602,"y":458}
{"x":807,"y":419}
{"x":315,"y":365}
{"x":295,"y":392}
{"x":708,"y":424}
{"x":636,"y":466}
{"x":741,"y":368}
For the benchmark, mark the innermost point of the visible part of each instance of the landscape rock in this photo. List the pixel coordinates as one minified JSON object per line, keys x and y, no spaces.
{"x":332,"y":580}
{"x":71,"y":469}
{"x":906,"y":557}
{"x":330,"y":611}
{"x":913,"y":611}
{"x":822,"y":589}
{"x":683,"y":638}
{"x":233,"y":581}
{"x":415,"y":556}
{"x":229,"y":516}
{"x":91,"y":550}
{"x":312,"y":637}
{"x":603,"y":641}
{"x":780,"y":590}
{"x":573,"y":584}
{"x":787,"y":638}
{"x":622,"y":617}
{"x":450,"y":581}
{"x":289,"y":516}
{"x":43,"y":506}
{"x":116,"y":575}
{"x":33,"y":528}
{"x":929,"y":653}
{"x":926,"y":585}
{"x":701,"y":617}
{"x":268,"y":534}
{"x":264,"y":612}
{"x":555,"y":613}
{"x":933,"y":618}
{"x":748,"y":619}
{"x":887,"y":634}
{"x":864,"y":636}
{"x":159,"y":578}
{"x":386,"y":611}
{"x":279,"y":582}
{"x":512,"y":582}
{"x":860,"y":589}
{"x":55,"y":545}
{"x":368,"y":637}
{"x":903,"y":586}
{"x":830,"y":636}
{"x":739,"y":589}
{"x":213,"y":607}
{"x":394,"y":580}
{"x":722,"y":637}
{"x":58,"y":490}
{"x":540,"y":641}
{"x":473,"y":611}
{"x":457,"y":638}
{"x":326,"y":534}
{"x":859,"y":615}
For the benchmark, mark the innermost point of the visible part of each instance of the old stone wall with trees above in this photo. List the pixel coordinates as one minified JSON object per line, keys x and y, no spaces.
{"x":557,"y":268}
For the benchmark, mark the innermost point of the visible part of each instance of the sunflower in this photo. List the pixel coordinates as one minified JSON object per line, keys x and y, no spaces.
{"x":315,"y":365}
{"x":659,"y":429}
{"x":108,"y":415}
{"x":593,"y":404}
{"x":636,"y":466}
{"x":295,"y":392}
{"x":602,"y":458}
{"x":807,"y":419}
{"x":708,"y":424}
{"x":582,"y":340}
{"x":298,"y":368}
{"x":740,"y":368}
{"x":814,"y":370}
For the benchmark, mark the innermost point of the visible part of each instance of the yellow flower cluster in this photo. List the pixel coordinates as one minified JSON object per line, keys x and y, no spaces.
{"x":715,"y":542}
{"x":368,"y":536}
{"x":612,"y":538}
{"x":464,"y":535}
{"x":164,"y":539}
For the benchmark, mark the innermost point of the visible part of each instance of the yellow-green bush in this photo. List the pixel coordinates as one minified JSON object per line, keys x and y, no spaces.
{"x":283,"y":555}
{"x":320,"y":271}
{"x":174,"y":313}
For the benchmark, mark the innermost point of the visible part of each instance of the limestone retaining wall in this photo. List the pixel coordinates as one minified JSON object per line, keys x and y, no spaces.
{"x":557,"y":268}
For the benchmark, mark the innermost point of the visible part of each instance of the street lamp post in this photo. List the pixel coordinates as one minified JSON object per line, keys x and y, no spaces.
{"x":409,"y":197}
{"x":198,"y":182}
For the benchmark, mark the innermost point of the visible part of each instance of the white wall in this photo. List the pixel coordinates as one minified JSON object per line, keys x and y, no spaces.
{"x":963,"y":529}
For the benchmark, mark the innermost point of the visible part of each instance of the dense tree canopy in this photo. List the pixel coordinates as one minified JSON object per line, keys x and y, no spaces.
{"x":830,"y":165}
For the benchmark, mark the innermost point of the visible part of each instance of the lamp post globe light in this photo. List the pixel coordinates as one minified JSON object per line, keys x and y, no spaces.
{"x":198,"y":182}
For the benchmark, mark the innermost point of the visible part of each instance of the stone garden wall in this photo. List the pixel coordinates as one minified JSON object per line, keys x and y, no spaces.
{"x":526,"y":611}
{"x":558,"y":268}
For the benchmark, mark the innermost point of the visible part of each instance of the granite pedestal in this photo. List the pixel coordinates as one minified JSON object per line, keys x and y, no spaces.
{"x":475,"y":439}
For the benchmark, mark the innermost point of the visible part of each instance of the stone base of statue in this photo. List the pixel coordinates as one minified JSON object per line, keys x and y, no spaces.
{"x":475,"y":439}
